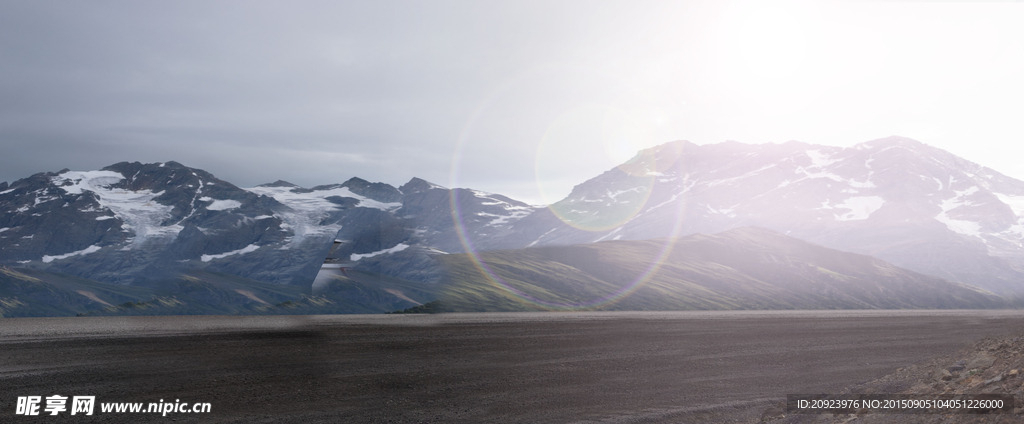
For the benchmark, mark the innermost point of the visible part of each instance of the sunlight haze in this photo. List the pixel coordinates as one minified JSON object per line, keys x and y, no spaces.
{"x":521,"y":98}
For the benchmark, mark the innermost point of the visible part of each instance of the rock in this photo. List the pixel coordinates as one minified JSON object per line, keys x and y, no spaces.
{"x":995,"y":379}
{"x":1013,"y":373}
{"x":773,"y":413}
{"x":944,"y":375}
{"x":981,"y":361}
{"x":958,"y":366}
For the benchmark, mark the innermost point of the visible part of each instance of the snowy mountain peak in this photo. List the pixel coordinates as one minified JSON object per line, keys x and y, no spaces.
{"x":380,"y":192}
{"x":278,"y":183}
{"x":138,"y":210}
{"x":672,"y":146}
{"x":896,"y":198}
{"x":892,"y":141}
{"x":97,"y":221}
{"x":416,"y":185}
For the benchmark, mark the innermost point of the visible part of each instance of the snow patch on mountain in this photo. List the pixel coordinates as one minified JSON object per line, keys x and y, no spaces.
{"x":730,"y":212}
{"x":614,"y":234}
{"x":1015,"y":233}
{"x":515,"y":215}
{"x":86,"y":251}
{"x":615,"y":195}
{"x":534,"y":243}
{"x":242,"y":251}
{"x":742,"y":177}
{"x":76,"y":182}
{"x":860,"y":208}
{"x":510,"y":212}
{"x":1016,"y":203}
{"x":141,"y":214}
{"x":307,"y":209}
{"x":820,"y":159}
{"x":301,"y":199}
{"x":221,"y":205}
{"x":831,"y":176}
{"x":671,"y":200}
{"x":968,"y":228}
{"x":42,"y":197}
{"x":397,"y":248}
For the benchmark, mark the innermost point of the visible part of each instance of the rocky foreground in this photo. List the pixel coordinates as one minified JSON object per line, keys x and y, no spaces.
{"x":991,"y":366}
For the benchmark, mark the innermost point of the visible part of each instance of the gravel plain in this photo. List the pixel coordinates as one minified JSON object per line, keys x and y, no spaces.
{"x":624,"y":367}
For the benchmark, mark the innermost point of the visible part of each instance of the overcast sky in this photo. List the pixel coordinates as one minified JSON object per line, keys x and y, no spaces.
{"x":516,"y":97}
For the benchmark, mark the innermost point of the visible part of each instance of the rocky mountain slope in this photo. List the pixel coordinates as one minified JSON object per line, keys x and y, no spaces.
{"x":132,"y":222}
{"x":916,"y":206}
{"x":745,"y":268}
{"x":32,"y":293}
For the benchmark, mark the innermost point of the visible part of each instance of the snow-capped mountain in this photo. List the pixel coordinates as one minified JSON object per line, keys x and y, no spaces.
{"x":897,"y":199}
{"x":130,"y":221}
{"x":915,"y":206}
{"x":133,"y":221}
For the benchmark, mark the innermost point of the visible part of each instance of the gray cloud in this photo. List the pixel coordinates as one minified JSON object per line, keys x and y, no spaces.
{"x":241,"y":87}
{"x":319,"y":91}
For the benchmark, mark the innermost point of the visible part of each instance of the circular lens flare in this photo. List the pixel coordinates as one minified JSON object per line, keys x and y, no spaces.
{"x":586,"y":140}
{"x":572,"y":141}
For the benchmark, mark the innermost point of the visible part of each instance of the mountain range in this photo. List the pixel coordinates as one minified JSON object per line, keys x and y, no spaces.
{"x":897,"y":199}
{"x":137,"y":233}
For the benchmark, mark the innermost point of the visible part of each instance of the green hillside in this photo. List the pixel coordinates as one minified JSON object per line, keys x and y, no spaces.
{"x":33,"y":293}
{"x":747,"y":268}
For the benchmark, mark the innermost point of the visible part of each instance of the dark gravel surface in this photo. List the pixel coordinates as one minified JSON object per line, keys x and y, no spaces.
{"x":590,"y":367}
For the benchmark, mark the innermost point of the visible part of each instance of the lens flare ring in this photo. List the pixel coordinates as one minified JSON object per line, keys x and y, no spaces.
{"x":646,"y":167}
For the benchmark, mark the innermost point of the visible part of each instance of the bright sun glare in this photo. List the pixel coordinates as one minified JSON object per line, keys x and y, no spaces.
{"x":760,"y":43}
{"x":822,"y":72}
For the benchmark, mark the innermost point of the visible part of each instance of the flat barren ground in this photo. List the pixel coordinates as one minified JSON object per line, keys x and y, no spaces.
{"x":546,"y":367}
